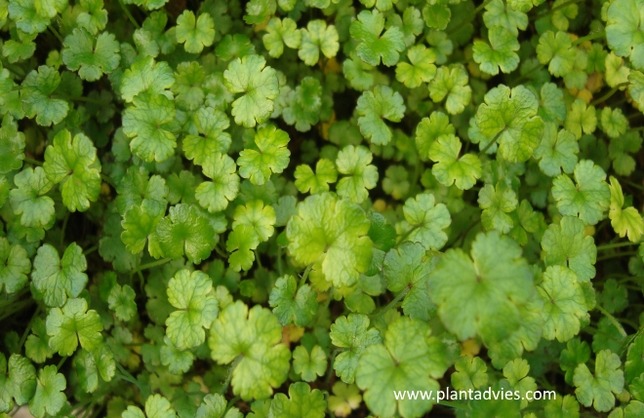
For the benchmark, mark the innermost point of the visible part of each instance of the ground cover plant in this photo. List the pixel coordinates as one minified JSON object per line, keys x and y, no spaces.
{"x":294,"y":208}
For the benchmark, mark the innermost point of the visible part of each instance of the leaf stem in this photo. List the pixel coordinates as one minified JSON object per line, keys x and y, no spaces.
{"x":280,"y":269}
{"x":561,"y":6}
{"x":608,"y":95}
{"x":16,"y":307}
{"x":32,"y":161}
{"x":305,"y":275}
{"x":151,"y":265}
{"x":615,"y":255}
{"x":129,"y":15}
{"x":493,"y":141}
{"x":78,"y":99}
{"x":28,"y":328}
{"x":90,"y":250}
{"x":62,"y":233}
{"x":61,"y":362}
{"x":589,"y":37}
{"x":56,"y":34}
{"x":107,"y":179}
{"x":394,"y":302}
{"x":229,"y":377}
{"x":616,"y":245}
{"x":525,"y":75}
{"x":612,"y":319}
{"x":469,"y":18}
{"x":454,"y":405}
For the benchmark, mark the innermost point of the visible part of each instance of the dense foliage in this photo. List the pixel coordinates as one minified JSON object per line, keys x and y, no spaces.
{"x":294,"y":208}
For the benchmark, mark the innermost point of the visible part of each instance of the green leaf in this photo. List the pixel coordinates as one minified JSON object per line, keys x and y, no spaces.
{"x":29,"y":201}
{"x":425,"y":221}
{"x":333,"y":233}
{"x":345,"y":398}
{"x":620,"y":149}
{"x":598,"y":389}
{"x":90,"y":366}
{"x":271,"y":155}
{"x":360,"y":175}
{"x":93,"y":17}
{"x":309,"y":364}
{"x":409,"y":359}
{"x":373,"y":107}
{"x":121,"y":301}
{"x":49,"y":397}
{"x":17,"y":382}
{"x":420,"y":69}
{"x":624,"y":32}
{"x":149,"y":124}
{"x":316,"y":38}
{"x":185,"y":231}
{"x":37,"y":344}
{"x":12,"y":145}
{"x":581,"y":118}
{"x":498,"y":14}
{"x":372,"y":47}
{"x":178,"y":361}
{"x":251,"y":76}
{"x":146,"y":76}
{"x":450,"y":83}
{"x":512,"y":115}
{"x":557,"y":151}
{"x":497,"y":202}
{"x":35,"y":93}
{"x":251,"y":338}
{"x":91,"y":56}
{"x":500,"y":53}
{"x":156,"y":406}
{"x":304,"y":105}
{"x":628,"y":221}
{"x":430,"y":129}
{"x":471,"y":373}
{"x":26,"y":16}
{"x":210,"y":136}
{"x":197,"y":33}
{"x":214,"y":195}
{"x":353,"y":334}
{"x":190,"y":78}
{"x":57,"y":279}
{"x":279,"y":33}
{"x":516,"y":373}
{"x":193,"y":296}
{"x":258,"y":217}
{"x":308,"y":181}
{"x":613,"y":122}
{"x":588,"y":198}
{"x":567,"y":245}
{"x":14,"y":266}
{"x":636,"y":88}
{"x":451,"y":169}
{"x":302,"y":402}
{"x":408,"y":267}
{"x":72,"y":324}
{"x":139,"y":225}
{"x":73,"y":163}
{"x":50,"y":8}
{"x":214,"y":406}
{"x":481,"y":295}
{"x":558,"y":52}
{"x":437,"y":14}
{"x":564,"y":303}
{"x":290,"y":306}
{"x":240,"y":243}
